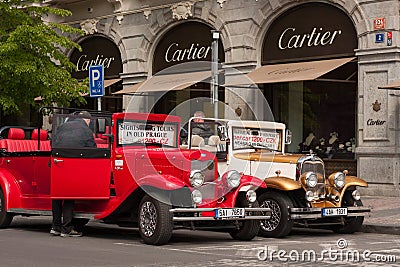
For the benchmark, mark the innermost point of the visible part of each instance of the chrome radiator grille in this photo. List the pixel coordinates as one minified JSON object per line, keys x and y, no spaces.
{"x":208,"y":189}
{"x":314,"y":166}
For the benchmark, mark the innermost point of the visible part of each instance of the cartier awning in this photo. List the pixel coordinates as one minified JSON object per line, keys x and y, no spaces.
{"x":110,"y":82}
{"x":167,"y":82}
{"x":290,"y":72}
{"x":393,"y":85}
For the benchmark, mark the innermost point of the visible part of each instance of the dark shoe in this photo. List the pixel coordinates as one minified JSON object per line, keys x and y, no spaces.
{"x":54,"y":232}
{"x":73,"y":233}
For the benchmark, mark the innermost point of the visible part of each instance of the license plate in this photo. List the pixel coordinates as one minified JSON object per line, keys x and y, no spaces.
{"x":328,"y":212}
{"x":229,"y":213}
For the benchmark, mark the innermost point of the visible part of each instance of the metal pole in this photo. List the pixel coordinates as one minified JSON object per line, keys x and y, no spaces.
{"x":99,"y":103}
{"x":214,"y":71}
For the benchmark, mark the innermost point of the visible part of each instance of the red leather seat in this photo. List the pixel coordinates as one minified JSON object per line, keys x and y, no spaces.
{"x":16,"y":133}
{"x":43,"y":134}
{"x":16,"y":141}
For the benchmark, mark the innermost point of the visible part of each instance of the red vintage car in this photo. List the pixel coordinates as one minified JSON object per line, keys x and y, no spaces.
{"x":137,"y":176}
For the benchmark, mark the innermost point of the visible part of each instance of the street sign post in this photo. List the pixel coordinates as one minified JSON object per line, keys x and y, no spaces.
{"x":214,"y":72}
{"x":96,"y":83}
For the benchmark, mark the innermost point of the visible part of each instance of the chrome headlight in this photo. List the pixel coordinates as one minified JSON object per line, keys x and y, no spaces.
{"x":356,"y":195}
{"x":196,"y":178}
{"x":309,"y":196}
{"x":233,"y":178}
{"x":311,"y":179}
{"x":197,"y":197}
{"x":251,"y":196}
{"x":339,"y":179}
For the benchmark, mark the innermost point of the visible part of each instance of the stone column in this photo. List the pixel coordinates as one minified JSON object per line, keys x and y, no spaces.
{"x":378,"y":152}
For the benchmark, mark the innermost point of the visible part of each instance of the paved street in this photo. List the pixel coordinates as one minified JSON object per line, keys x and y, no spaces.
{"x":27,"y":243}
{"x":384,"y":217}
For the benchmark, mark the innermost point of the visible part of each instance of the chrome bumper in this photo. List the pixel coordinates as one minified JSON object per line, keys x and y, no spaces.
{"x":198,"y":217}
{"x":316,"y":213}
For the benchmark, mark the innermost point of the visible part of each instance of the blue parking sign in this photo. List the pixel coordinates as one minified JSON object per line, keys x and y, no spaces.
{"x":96,"y":81}
{"x":379,"y":38}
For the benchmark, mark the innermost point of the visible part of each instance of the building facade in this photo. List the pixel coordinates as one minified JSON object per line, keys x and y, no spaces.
{"x":317,"y":66}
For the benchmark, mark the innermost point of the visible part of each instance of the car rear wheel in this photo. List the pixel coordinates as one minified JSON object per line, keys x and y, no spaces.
{"x":280,"y":223}
{"x":5,"y":217}
{"x":351,"y":224}
{"x":246,"y":230}
{"x":155,"y":221}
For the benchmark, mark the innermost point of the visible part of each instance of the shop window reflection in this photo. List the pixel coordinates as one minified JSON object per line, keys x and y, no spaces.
{"x":326,"y":108}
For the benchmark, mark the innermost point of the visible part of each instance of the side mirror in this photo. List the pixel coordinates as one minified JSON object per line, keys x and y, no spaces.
{"x":288,"y":136}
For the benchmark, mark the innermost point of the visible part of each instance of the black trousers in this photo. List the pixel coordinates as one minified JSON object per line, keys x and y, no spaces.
{"x":63,"y":212}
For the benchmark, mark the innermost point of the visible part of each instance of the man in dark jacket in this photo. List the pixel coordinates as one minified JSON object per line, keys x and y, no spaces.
{"x":71,"y":134}
{"x":75,"y":133}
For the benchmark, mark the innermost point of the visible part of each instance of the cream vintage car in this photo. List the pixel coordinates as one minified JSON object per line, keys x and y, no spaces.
{"x":298,"y":192}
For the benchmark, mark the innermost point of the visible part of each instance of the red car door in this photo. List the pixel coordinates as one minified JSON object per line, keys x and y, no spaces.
{"x":82,"y":173}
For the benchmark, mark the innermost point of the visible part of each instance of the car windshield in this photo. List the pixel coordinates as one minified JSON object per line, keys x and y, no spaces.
{"x":209,"y":134}
{"x":146,"y":133}
{"x":248,"y":138}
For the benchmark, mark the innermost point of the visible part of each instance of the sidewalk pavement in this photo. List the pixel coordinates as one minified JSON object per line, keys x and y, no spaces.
{"x":385,"y":215}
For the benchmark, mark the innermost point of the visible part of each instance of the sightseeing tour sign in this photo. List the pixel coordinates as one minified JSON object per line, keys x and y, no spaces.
{"x":133,"y":132}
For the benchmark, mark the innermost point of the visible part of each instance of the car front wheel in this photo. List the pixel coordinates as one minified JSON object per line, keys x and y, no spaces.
{"x":155,"y":221}
{"x":280,"y":224}
{"x":351,"y":224}
{"x":246,"y":230}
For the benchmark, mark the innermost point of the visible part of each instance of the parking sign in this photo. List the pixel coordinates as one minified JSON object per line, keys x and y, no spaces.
{"x":379,"y":38}
{"x":96,"y":81}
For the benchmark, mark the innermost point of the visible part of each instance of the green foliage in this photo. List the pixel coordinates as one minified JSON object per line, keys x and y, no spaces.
{"x":32,"y":64}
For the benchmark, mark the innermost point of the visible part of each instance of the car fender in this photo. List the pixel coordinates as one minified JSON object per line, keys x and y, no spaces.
{"x":11,"y":190}
{"x":246,"y":183}
{"x":282,"y":183}
{"x":149,"y":184}
{"x":353,"y":181}
{"x":163,"y":182}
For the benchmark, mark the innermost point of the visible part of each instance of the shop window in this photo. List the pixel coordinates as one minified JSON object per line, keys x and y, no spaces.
{"x":324,"y":107}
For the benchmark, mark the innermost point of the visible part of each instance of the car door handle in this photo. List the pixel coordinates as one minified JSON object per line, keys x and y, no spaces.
{"x":58,"y":160}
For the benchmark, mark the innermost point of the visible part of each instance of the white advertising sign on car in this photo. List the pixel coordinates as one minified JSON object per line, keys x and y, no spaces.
{"x":245,"y":138}
{"x":131,"y":132}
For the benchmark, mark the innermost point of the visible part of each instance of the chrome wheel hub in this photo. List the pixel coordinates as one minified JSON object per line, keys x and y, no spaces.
{"x":148,"y":218}
{"x":271,"y":224}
